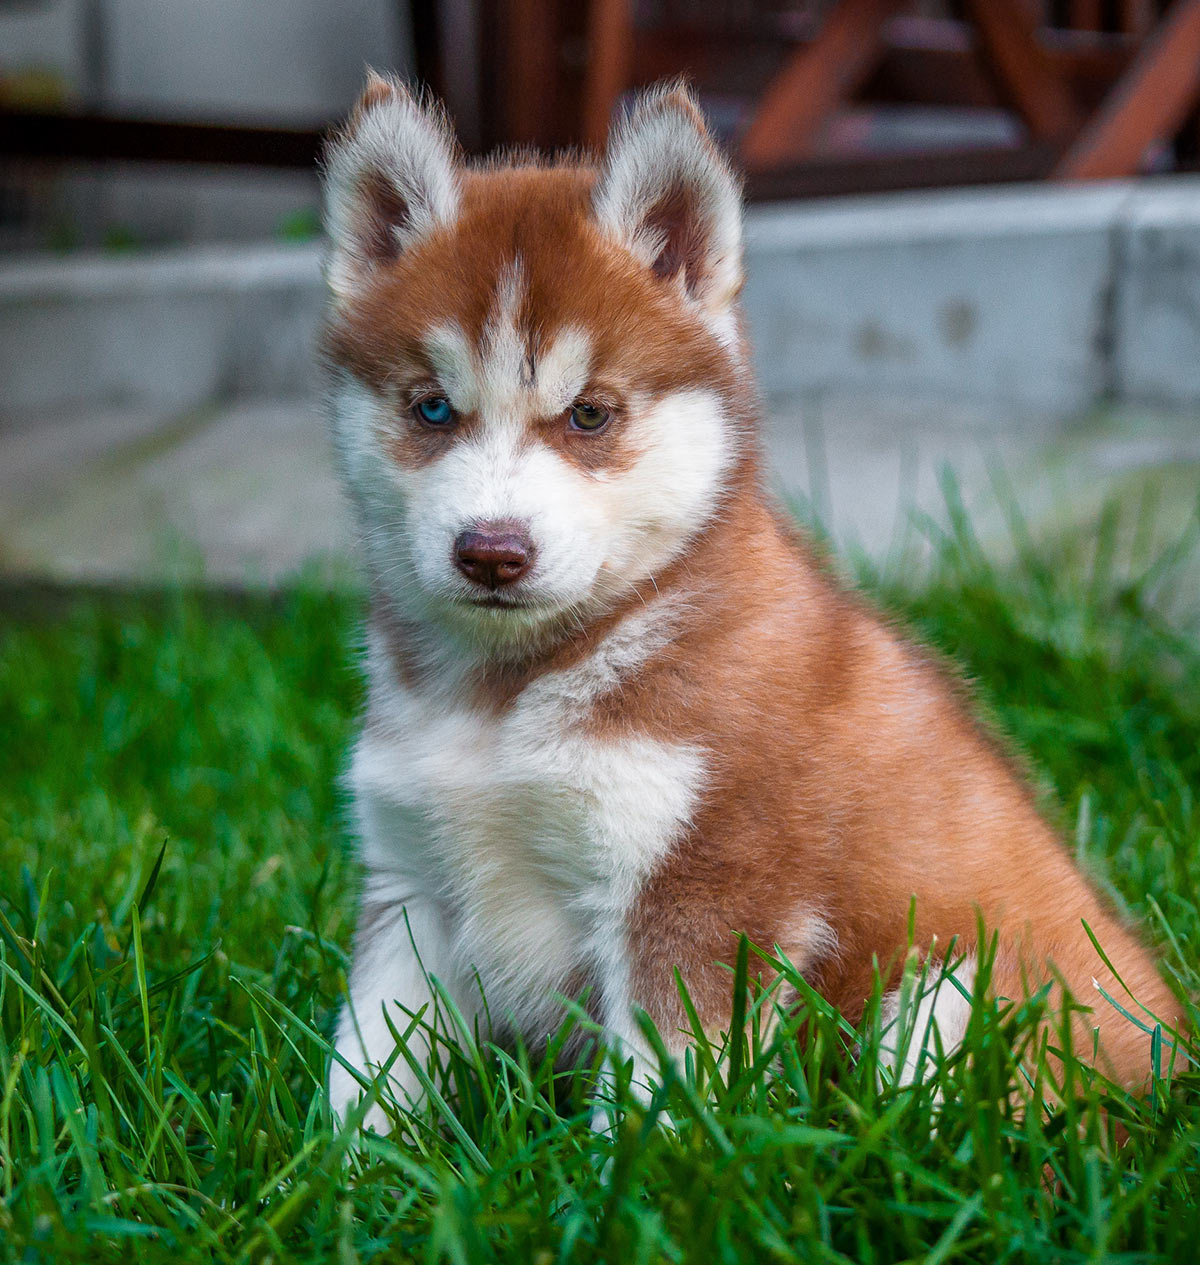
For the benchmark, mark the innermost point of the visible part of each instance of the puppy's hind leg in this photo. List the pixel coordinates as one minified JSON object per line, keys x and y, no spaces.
{"x":1124,"y":1018}
{"x":925,"y":1016}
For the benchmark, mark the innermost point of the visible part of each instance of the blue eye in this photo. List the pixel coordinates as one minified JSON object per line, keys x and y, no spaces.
{"x":435,"y":411}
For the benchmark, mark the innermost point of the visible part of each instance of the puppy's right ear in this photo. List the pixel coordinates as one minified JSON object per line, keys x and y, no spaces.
{"x":390,"y":178}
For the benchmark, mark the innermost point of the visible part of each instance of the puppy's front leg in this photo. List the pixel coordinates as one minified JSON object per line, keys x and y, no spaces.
{"x":399,"y":945}
{"x":624,"y":1036}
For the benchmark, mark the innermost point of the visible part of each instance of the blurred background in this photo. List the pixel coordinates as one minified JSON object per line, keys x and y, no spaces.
{"x":973,"y":245}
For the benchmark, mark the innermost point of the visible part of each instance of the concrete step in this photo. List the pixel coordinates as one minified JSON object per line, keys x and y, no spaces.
{"x":161,"y":330}
{"x":1043,"y":299}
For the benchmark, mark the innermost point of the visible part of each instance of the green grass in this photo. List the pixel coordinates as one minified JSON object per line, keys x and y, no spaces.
{"x":176,"y":903}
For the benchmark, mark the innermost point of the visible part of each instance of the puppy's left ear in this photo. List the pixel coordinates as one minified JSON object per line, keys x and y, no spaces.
{"x":667,"y":194}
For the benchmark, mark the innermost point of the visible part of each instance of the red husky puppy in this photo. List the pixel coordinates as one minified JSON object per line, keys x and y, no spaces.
{"x":617,"y":715}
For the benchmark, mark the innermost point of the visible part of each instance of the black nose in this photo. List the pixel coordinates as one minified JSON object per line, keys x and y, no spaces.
{"x":493,"y":554}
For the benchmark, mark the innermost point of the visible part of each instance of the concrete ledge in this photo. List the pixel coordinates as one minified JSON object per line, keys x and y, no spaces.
{"x":1157,"y":352}
{"x":202,"y":269}
{"x":1039,"y":298}
{"x":995,"y":296}
{"x":170,"y":329}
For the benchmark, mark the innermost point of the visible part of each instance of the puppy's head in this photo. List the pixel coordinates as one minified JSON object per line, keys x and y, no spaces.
{"x":537,"y":378}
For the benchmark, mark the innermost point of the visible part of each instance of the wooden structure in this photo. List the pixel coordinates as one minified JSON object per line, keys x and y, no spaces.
{"x":1096,"y":86}
{"x":1091,"y":102}
{"x":1146,"y":101}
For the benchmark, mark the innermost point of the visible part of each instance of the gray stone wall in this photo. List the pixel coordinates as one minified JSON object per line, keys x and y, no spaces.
{"x":1042,"y":300}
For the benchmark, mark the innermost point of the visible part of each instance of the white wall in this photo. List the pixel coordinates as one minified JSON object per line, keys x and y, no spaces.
{"x":297,"y":62}
{"x":292,"y":60}
{"x":43,"y":34}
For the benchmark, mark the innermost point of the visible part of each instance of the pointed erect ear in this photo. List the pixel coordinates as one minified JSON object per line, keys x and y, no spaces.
{"x":390,"y":178}
{"x":668,"y":195}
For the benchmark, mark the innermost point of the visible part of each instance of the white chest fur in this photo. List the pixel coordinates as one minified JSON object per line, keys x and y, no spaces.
{"x":530,"y":833}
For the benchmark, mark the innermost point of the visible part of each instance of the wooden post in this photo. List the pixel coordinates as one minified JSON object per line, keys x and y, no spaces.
{"x":1022,"y":72}
{"x":1150,"y":101}
{"x":531,"y":30}
{"x":1136,"y":16}
{"x":1084,"y":15}
{"x":610,"y":54}
{"x":814,"y":81}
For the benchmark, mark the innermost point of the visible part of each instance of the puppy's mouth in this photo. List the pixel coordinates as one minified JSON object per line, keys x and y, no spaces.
{"x":494,"y":602}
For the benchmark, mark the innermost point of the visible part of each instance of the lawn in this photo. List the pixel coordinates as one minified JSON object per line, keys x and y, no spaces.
{"x":176,"y":904}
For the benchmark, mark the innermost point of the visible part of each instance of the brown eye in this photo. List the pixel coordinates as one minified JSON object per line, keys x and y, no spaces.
{"x":586,"y":416}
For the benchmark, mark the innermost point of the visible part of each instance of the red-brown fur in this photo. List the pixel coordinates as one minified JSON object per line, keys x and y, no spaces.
{"x":846,"y":777}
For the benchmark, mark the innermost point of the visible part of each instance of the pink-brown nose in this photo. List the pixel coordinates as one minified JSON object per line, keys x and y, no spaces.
{"x":493,"y":555}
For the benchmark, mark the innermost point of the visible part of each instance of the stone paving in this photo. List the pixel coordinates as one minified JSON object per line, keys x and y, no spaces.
{"x":240,"y":494}
{"x":246,"y":493}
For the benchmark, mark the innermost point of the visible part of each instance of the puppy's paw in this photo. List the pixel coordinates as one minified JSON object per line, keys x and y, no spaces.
{"x":345,"y":1094}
